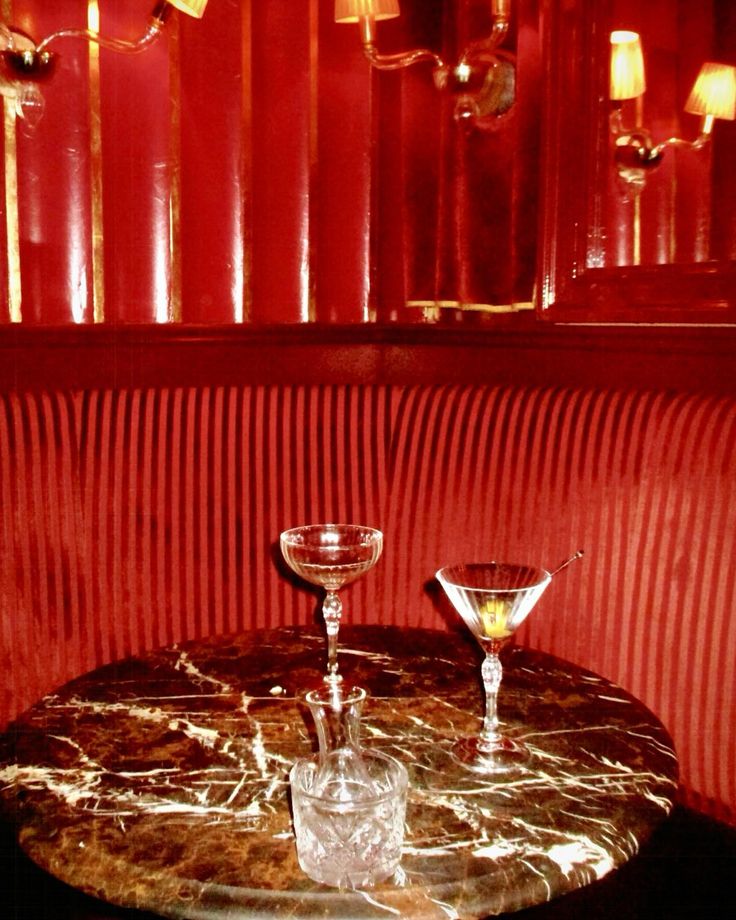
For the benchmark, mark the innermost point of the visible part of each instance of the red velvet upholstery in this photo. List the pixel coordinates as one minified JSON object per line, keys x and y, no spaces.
{"x":134,"y":518}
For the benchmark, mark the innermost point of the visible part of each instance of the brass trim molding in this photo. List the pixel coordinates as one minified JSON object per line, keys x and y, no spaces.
{"x":477,"y":307}
{"x":12,"y":223}
{"x":96,"y":169}
{"x":175,"y":260}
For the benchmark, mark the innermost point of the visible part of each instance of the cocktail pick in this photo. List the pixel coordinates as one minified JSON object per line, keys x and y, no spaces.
{"x":564,"y":565}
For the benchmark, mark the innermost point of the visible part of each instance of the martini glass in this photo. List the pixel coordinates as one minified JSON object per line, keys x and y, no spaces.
{"x":493,"y":598}
{"x":331,"y":556}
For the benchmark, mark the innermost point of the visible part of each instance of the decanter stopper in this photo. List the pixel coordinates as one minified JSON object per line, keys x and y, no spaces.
{"x":341,"y":774}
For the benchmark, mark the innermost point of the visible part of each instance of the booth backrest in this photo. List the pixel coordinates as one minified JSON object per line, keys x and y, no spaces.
{"x":134,"y":518}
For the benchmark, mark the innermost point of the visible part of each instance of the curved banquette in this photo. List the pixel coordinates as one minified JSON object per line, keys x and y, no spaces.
{"x":145,"y":476}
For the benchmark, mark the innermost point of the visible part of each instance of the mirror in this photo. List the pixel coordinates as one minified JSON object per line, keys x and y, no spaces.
{"x":639,"y":184}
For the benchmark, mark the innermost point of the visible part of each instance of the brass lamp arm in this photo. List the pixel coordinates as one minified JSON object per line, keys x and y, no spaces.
{"x":156,"y":24}
{"x":395,"y":61}
{"x":700,"y":141}
{"x":400,"y":59}
{"x":485,"y":47}
{"x":636,"y":144}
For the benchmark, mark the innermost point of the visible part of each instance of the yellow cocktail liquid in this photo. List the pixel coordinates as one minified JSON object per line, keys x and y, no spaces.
{"x":493,"y":615}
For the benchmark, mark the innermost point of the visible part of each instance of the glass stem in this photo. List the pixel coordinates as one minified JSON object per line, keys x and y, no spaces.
{"x":491,"y":671}
{"x":332,"y":611}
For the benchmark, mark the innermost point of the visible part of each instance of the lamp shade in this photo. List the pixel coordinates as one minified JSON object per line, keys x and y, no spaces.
{"x":354,"y":10}
{"x":194,"y":8}
{"x":627,"y":66}
{"x":714,"y":92}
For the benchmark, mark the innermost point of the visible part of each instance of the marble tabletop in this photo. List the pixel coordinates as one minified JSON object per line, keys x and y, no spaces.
{"x":161,"y":782}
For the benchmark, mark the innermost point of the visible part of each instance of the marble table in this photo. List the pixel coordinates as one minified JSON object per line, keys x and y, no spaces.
{"x":160,"y":782}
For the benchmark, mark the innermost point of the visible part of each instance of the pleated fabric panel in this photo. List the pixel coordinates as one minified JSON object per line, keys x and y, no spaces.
{"x":133,"y":519}
{"x":187,"y":503}
{"x":46,"y":627}
{"x":644,"y":483}
{"x":478,"y":474}
{"x":136,"y":518}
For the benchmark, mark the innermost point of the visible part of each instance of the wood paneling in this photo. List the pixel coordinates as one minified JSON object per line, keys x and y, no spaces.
{"x":251,"y":167}
{"x":688,"y":360}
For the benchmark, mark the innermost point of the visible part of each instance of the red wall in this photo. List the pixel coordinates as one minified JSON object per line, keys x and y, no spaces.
{"x":251,"y":167}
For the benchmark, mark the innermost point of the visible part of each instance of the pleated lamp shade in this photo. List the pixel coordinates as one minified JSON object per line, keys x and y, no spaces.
{"x":194,"y":8}
{"x":353,"y":10}
{"x":627,"y":66}
{"x":714,"y":92}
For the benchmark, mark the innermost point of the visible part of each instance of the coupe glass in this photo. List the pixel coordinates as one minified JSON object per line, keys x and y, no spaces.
{"x":331,"y":555}
{"x":493,"y":598}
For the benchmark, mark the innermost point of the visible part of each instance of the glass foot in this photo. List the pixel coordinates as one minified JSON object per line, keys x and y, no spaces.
{"x":507,"y":756}
{"x":461,"y":769}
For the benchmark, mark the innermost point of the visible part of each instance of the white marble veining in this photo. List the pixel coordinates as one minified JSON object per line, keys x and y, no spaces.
{"x":166,"y":783}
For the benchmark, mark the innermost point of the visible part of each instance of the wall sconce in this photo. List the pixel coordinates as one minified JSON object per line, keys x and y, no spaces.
{"x":484,"y":79}
{"x":24,"y":64}
{"x":713,"y":96}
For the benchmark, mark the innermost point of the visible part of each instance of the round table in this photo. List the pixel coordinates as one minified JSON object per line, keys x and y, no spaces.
{"x":161,"y":782}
